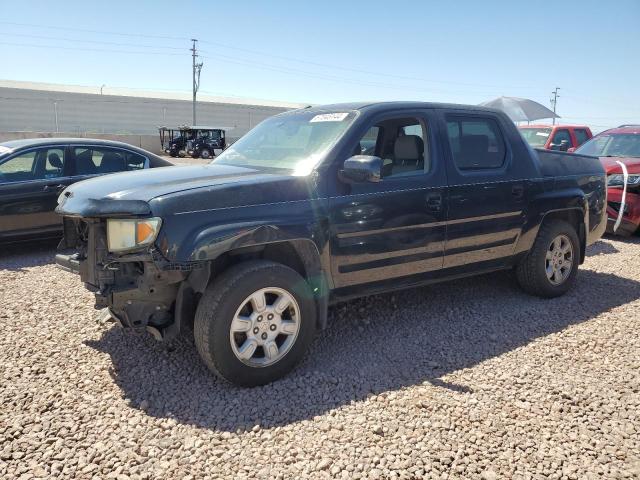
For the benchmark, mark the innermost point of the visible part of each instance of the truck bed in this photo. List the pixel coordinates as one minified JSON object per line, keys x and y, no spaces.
{"x":559,"y":164}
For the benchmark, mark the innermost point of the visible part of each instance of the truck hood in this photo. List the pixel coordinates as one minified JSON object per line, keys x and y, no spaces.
{"x":153,"y":182}
{"x":131,"y":192}
{"x":611,"y":166}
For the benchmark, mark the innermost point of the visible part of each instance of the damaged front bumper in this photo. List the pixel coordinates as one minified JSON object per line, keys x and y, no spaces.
{"x":630,"y":221}
{"x":140,"y":289}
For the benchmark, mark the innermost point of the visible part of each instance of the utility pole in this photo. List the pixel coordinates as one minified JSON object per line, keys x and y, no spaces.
{"x":197,"y":67}
{"x":55,"y":112}
{"x":554,"y":102}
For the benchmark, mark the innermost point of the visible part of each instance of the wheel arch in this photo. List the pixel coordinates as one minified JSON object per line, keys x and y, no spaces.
{"x":570,"y":205}
{"x":300,"y":254}
{"x":575,"y":217}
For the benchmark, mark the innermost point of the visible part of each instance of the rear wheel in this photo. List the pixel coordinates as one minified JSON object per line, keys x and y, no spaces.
{"x":255,"y":322}
{"x":550,"y":268}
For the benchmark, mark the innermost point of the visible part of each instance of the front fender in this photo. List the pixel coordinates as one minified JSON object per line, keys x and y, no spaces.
{"x":203,"y":237}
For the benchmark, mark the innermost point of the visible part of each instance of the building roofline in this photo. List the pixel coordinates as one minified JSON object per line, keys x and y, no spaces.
{"x":142,"y":93}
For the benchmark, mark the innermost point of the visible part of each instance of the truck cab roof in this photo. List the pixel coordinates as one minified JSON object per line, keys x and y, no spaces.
{"x":399,"y":105}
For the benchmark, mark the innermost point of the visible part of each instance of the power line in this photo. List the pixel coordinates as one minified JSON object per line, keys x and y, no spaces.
{"x":357,"y":70}
{"x":58,"y":47}
{"x":306,"y":73}
{"x":282,"y":57}
{"x":101,"y":32}
{"x":45,"y":37}
{"x":254,"y":64}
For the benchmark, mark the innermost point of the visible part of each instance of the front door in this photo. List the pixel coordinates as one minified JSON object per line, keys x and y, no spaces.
{"x":30,"y":183}
{"x":394,"y":228}
{"x":487,"y":193}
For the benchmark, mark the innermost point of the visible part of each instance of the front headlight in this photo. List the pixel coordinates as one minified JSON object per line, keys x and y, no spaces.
{"x":617,"y":180}
{"x":131,"y":233}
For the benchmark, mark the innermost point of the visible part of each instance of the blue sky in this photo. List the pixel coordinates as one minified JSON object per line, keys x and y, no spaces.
{"x":332,"y":51}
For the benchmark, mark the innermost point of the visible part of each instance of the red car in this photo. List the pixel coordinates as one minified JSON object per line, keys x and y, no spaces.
{"x":555,"y":137}
{"x":615,"y":147}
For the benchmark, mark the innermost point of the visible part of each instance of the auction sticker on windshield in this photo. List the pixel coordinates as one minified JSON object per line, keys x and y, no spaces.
{"x":329,"y":117}
{"x":542,"y":134}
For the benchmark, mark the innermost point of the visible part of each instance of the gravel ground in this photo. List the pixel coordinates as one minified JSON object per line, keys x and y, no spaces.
{"x":469,"y":379}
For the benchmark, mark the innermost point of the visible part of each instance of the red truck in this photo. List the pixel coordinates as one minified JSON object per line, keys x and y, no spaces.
{"x":619,"y":152}
{"x":555,"y":137}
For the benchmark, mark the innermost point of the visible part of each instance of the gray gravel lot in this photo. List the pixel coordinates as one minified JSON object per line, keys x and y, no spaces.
{"x":468,"y":379}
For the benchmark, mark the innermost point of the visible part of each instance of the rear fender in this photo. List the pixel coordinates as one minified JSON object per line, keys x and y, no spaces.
{"x":570,"y":205}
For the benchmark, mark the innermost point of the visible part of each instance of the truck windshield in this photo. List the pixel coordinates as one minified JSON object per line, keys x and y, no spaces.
{"x":536,"y":137}
{"x":295,"y":142}
{"x":617,"y":145}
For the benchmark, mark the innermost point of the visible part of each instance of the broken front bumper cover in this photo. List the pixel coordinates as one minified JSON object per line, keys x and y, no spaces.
{"x":68,"y":263}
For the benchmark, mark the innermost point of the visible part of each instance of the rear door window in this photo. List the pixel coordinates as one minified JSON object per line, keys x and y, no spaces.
{"x":476,"y":143}
{"x":101,"y":160}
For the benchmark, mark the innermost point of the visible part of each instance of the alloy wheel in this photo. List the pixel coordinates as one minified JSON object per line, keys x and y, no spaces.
{"x":265,"y":327}
{"x":559,"y":260}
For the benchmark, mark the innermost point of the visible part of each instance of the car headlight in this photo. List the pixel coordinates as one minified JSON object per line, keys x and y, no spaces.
{"x":617,"y":180}
{"x":131,"y":233}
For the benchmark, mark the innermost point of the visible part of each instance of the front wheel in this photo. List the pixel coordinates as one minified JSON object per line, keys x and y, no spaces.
{"x":549,"y":270}
{"x":205,"y":154}
{"x":255,"y":322}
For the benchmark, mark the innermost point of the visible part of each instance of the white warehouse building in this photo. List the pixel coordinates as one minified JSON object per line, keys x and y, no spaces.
{"x":53,"y":109}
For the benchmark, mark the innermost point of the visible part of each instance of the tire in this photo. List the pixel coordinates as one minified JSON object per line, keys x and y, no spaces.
{"x":226,"y":298}
{"x":532,"y":271}
{"x":205,"y":154}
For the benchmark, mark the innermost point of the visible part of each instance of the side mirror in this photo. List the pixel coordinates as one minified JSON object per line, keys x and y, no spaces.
{"x":564,"y":146}
{"x":361,"y":168}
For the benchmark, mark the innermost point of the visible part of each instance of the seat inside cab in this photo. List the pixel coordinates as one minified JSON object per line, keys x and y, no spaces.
{"x":400,"y":142}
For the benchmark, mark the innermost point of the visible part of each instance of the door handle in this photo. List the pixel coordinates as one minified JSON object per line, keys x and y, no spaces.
{"x":458,"y":199}
{"x":434,"y":202}
{"x":517,"y":191}
{"x":54,"y":188}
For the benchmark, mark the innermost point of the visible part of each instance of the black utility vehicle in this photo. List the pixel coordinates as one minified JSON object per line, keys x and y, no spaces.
{"x":34,"y":171}
{"x":197,"y":141}
{"x":251,"y":249}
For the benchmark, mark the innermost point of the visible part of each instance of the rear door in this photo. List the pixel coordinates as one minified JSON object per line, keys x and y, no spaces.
{"x":487,"y":193}
{"x":30,"y":182}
